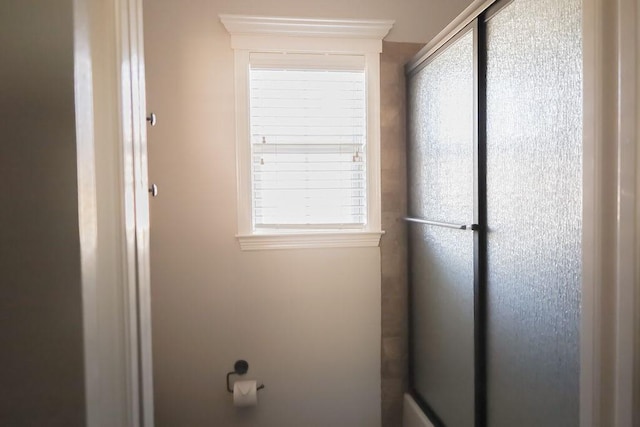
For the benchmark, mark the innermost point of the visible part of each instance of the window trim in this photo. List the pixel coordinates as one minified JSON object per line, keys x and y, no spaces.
{"x":251,"y":34}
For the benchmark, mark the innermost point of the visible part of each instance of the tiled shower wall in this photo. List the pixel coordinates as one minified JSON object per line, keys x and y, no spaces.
{"x":393,"y":246}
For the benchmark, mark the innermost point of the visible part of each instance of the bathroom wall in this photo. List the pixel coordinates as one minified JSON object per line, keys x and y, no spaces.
{"x":393,"y":245}
{"x":308,"y":321}
{"x":41,"y":360}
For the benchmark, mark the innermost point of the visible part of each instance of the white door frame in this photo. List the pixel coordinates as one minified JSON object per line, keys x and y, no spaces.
{"x":113,"y":211}
{"x":610,"y":307}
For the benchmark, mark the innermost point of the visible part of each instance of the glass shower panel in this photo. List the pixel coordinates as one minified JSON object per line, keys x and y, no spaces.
{"x":441,"y":117}
{"x":441,"y":183}
{"x":534,"y":193}
{"x":442,"y":321}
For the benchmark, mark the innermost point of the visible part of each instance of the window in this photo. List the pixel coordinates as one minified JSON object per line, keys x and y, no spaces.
{"x":307,"y":131}
{"x":308,"y":142}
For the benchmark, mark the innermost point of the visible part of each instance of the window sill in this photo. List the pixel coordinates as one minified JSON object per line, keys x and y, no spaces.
{"x":309,"y":240}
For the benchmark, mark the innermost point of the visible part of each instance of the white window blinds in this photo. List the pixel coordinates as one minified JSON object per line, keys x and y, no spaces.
{"x":308,"y":141}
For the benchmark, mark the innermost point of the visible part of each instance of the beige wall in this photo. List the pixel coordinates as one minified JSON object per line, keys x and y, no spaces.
{"x":308,"y":321}
{"x":41,"y":365}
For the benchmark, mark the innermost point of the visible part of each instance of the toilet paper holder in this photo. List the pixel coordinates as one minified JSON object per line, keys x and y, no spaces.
{"x":240,"y":368}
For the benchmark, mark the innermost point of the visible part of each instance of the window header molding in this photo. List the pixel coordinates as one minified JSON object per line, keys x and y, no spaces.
{"x":306,"y":34}
{"x":375,"y":29}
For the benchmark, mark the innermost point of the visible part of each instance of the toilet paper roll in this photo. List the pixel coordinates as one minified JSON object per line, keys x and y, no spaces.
{"x":245,"y":393}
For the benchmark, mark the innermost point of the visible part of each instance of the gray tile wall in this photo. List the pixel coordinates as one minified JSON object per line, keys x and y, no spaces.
{"x":393,"y":245}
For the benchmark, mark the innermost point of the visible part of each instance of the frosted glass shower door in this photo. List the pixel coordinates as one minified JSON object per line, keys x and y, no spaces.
{"x":534,"y":193}
{"x":441,"y":198}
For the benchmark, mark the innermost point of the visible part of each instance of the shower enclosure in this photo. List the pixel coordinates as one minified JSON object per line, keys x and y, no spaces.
{"x":495,"y":208}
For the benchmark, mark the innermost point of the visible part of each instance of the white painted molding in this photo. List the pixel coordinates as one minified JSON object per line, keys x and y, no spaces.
{"x":251,"y":242}
{"x":374,"y":176}
{"x":111,"y":375}
{"x":126,"y":47}
{"x":258,"y":35}
{"x":627,"y":103}
{"x":110,"y":122}
{"x":591,"y":316}
{"x":258,"y":43}
{"x":306,"y":27}
{"x":267,"y":34}
{"x":136,"y":108}
{"x":611,"y":190}
{"x":243,"y":147}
